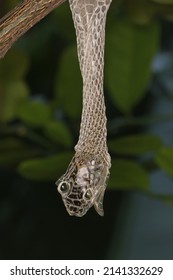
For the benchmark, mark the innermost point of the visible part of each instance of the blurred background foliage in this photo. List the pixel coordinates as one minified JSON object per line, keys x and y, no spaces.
{"x":41,"y":99}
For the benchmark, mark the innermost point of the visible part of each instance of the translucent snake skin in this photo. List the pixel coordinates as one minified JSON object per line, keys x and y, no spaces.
{"x":84,"y":183}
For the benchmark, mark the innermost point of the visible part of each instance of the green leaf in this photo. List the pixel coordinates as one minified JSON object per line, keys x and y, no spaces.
{"x":68,"y":84}
{"x":58,"y":133}
{"x":45,"y":169}
{"x":141,"y":12}
{"x":164,"y":159}
{"x":14,"y":65}
{"x":35,"y":113}
{"x":10,"y":4}
{"x":12,"y":95}
{"x":13,"y":151}
{"x":9,"y":144}
{"x":127,"y":174}
{"x":163,"y":1}
{"x":130,"y":51}
{"x":62,"y":17}
{"x":135,"y":144}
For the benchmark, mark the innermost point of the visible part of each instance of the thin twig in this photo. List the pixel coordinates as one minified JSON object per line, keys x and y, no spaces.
{"x":21,"y":19}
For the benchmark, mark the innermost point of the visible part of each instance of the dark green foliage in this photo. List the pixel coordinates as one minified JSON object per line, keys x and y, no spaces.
{"x":164,"y":159}
{"x":128,"y":174}
{"x":137,"y":144}
{"x":49,"y":168}
{"x":38,"y":129}
{"x":68,"y":84}
{"x":128,"y":61}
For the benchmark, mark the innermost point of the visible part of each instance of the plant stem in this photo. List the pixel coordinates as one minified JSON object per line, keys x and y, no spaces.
{"x":14,"y":24}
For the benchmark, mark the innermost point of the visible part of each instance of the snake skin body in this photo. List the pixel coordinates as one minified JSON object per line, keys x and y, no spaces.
{"x":83,"y":185}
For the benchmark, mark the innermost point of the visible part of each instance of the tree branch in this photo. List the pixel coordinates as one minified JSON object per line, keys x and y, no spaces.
{"x":21,"y":19}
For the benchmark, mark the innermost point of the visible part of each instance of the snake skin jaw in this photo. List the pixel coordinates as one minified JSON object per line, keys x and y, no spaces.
{"x":83,"y":188}
{"x":79,"y":200}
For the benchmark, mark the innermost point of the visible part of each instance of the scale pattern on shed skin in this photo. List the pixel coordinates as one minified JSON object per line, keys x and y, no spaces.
{"x":83,"y":185}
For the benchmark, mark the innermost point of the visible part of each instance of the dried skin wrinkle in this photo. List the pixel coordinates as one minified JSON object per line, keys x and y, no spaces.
{"x":83,"y":185}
